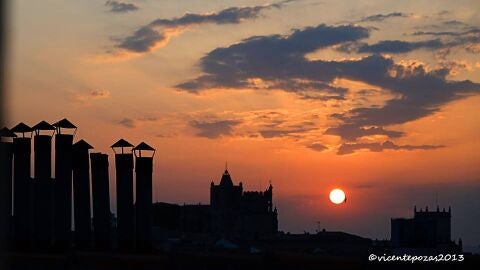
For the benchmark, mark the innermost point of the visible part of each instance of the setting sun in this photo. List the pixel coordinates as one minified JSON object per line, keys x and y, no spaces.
{"x":380,"y":101}
{"x":337,"y":196}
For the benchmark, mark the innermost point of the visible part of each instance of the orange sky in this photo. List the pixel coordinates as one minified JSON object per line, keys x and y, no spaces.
{"x":73,"y":60}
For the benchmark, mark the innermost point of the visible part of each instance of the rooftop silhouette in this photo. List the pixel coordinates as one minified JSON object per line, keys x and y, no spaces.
{"x":235,"y":219}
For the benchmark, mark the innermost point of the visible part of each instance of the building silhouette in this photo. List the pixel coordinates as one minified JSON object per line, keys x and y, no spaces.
{"x":101,"y":201}
{"x":65,"y":131}
{"x":43,"y":185}
{"x":40,"y":217}
{"x":81,"y":194}
{"x":232,"y":213}
{"x":426,"y":230}
{"x":238,"y":212}
{"x":124,"y":176}
{"x":143,"y":205}
{"x":235,"y":219}
{"x":6,"y":174}
{"x":22,"y":204}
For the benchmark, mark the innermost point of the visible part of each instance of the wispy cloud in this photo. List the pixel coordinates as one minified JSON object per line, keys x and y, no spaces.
{"x":157,"y":33}
{"x":318,"y":147}
{"x":444,"y":34}
{"x":265,"y":124}
{"x":130,"y":122}
{"x":232,"y":15}
{"x":279,"y":132}
{"x":457,"y":33}
{"x":353,"y":132}
{"x":383,"y":17}
{"x":90,"y":96}
{"x":127,"y":122}
{"x":349,"y":148}
{"x":400,"y":46}
{"x":120,"y":7}
{"x":214,"y":129}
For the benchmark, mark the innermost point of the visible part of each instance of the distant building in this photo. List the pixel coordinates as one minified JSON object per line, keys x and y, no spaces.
{"x":426,"y":230}
{"x":232,"y":212}
{"x":238,"y":212}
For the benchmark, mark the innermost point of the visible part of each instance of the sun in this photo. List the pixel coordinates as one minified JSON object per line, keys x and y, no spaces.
{"x":337,"y":196}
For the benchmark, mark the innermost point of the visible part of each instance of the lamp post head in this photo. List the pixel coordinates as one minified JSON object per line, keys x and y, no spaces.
{"x":65,"y":127}
{"x":121,"y":146}
{"x":143,"y":148}
{"x":22,"y":129}
{"x":82,"y":144}
{"x":44,"y":128}
{"x":6,"y":134}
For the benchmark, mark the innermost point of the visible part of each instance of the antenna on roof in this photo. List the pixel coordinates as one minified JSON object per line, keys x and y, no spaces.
{"x":226,"y":165}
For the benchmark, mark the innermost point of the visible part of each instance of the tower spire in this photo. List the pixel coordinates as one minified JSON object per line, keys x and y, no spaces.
{"x":226,"y":165}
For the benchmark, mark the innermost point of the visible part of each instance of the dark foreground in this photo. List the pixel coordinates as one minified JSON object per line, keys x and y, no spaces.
{"x":210,"y":261}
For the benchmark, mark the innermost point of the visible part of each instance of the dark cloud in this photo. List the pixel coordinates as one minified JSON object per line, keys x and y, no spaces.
{"x":317,"y":147}
{"x":447,"y":28}
{"x":349,"y":148}
{"x":422,"y":92}
{"x":398,"y":46}
{"x":142,"y":40}
{"x":307,"y":89}
{"x":232,"y":15}
{"x":120,"y":7}
{"x":281,"y":132}
{"x":277,"y":59}
{"x":352,"y":132}
{"x":454,"y":34}
{"x":214,"y":129}
{"x":470,"y":31}
{"x":417,"y":91}
{"x":382,"y":17}
{"x":127,"y":122}
{"x":134,"y":122}
{"x":147,"y":37}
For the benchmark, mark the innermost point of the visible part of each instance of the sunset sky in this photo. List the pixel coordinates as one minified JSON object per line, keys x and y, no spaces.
{"x":379,"y":98}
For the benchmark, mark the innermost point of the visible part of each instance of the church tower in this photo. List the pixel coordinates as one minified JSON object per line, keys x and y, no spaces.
{"x":225,"y":204}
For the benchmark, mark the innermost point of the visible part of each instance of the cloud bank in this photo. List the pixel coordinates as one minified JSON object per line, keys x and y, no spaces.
{"x":279,"y":62}
{"x":158,"y":32}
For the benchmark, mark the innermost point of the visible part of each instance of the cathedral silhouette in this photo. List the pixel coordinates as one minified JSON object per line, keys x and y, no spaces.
{"x":232,"y":213}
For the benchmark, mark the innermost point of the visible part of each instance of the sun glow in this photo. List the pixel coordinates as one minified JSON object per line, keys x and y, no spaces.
{"x":337,"y":196}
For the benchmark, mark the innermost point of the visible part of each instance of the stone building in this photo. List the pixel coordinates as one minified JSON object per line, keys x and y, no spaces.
{"x":426,"y":230}
{"x":232,"y":212}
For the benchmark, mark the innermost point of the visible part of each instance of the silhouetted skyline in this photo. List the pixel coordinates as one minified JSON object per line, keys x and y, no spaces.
{"x":42,"y":206}
{"x":379,"y":99}
{"x":41,"y":216}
